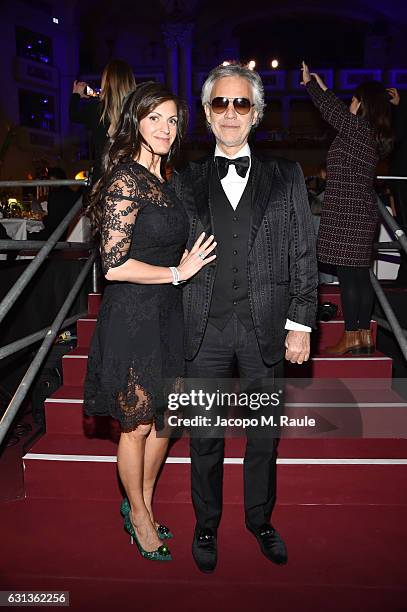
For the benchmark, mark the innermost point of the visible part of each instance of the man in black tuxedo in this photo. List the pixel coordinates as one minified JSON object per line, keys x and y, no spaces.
{"x":238,"y":309}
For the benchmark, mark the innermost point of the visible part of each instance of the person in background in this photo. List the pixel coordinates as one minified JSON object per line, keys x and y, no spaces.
{"x":59,"y":201}
{"x":326,"y":273}
{"x":100,"y":114}
{"x":398,"y":167}
{"x":350,"y":215}
{"x":316,"y":192}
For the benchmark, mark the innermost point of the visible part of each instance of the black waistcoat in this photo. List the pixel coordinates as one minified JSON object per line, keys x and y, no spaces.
{"x":232,"y":227}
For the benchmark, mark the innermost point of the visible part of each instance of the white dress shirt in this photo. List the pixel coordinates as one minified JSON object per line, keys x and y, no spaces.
{"x":234,"y":186}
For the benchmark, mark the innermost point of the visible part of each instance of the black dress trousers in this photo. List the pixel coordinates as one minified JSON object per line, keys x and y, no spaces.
{"x":221,"y":353}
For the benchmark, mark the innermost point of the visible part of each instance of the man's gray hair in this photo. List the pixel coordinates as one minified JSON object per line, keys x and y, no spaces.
{"x":240,"y":71}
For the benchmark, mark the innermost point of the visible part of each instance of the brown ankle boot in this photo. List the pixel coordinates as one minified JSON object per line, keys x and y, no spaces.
{"x":349,"y":343}
{"x":366,"y":341}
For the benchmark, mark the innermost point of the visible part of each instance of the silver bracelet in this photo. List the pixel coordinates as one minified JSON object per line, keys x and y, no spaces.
{"x":175,"y":275}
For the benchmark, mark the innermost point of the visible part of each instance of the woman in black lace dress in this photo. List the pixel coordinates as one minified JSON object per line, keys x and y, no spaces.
{"x":137,"y":344}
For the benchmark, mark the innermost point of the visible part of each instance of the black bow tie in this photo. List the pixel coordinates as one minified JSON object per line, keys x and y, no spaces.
{"x":241,"y":164}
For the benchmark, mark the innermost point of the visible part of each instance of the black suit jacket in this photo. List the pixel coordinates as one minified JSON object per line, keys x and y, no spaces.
{"x":282,"y":267}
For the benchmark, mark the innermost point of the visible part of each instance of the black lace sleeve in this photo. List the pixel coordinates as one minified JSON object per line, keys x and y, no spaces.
{"x":122,"y":202}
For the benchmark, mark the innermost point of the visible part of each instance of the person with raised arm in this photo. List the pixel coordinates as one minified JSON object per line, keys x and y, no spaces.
{"x":350,"y":214}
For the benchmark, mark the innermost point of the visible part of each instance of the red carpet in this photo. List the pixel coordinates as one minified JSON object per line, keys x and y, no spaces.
{"x":340,"y":558}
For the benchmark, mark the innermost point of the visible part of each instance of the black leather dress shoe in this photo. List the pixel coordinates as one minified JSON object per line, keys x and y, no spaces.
{"x":204,"y":549}
{"x":271,"y":544}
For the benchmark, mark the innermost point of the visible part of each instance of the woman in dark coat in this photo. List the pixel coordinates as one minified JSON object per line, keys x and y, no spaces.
{"x":350,"y":214}
{"x":100,"y":114}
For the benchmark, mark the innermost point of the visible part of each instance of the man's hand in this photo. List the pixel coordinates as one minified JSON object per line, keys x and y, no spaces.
{"x":297,"y":344}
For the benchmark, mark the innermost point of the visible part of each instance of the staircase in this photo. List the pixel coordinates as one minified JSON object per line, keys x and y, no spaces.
{"x":341,"y":504}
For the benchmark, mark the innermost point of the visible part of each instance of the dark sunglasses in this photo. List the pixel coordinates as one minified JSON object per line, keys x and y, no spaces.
{"x":241,"y":105}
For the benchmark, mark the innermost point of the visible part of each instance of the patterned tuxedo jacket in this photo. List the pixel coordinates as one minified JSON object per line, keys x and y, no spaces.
{"x":282,"y":267}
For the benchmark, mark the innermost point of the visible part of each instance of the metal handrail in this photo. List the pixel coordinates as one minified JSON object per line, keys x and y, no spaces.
{"x":17,"y":345}
{"x":392,"y":224}
{"x":32,"y":268}
{"x":35,"y":365}
{"x":45,"y":183}
{"x":393,"y":245}
{"x":389,"y":313}
{"x":36,"y":245}
{"x":383,"y":323}
{"x":48,"y":334}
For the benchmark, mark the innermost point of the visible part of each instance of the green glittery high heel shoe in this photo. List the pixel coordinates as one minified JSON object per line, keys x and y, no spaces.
{"x":163,"y":532}
{"x":162,"y":553}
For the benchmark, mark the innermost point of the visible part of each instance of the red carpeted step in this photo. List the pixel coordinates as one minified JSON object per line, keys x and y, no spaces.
{"x":340,"y":558}
{"x":64,"y":417}
{"x":297,"y":483}
{"x":64,"y":410}
{"x":327,"y":334}
{"x":328,"y":424}
{"x":84,"y":330}
{"x":94,"y":300}
{"x":373,"y":366}
{"x":332,"y":400}
{"x":323,"y":366}
{"x":75,"y":444}
{"x":89,"y":441}
{"x":74,"y":368}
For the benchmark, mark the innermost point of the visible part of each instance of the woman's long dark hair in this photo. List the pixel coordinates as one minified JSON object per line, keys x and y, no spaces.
{"x":125,"y":144}
{"x":375,"y":107}
{"x":117,"y":81}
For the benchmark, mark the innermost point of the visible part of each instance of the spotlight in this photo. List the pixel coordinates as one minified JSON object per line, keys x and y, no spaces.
{"x":226,"y":63}
{"x":251,"y":65}
{"x":55,"y":20}
{"x":274,"y":63}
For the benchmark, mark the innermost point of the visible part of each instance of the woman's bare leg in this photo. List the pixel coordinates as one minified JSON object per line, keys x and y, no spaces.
{"x":130,"y":463}
{"x":154,"y":455}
